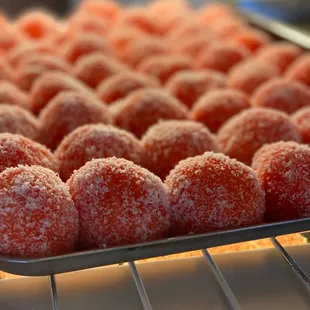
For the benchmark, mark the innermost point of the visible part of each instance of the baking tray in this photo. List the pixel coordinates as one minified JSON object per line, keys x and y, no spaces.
{"x":96,"y":258}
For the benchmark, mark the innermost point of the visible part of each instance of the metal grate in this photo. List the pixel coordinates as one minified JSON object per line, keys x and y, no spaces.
{"x":232,"y":301}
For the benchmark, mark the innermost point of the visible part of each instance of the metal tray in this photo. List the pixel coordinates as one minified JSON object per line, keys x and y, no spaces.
{"x":90,"y":259}
{"x":95,"y":258}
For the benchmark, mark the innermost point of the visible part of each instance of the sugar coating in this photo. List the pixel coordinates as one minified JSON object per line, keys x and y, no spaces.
{"x":143,"y":48}
{"x":95,"y":68}
{"x":163,"y":67}
{"x":213,"y":192}
{"x":12,"y":95}
{"x":217,"y":106}
{"x":18,"y":150}
{"x":34,"y":66}
{"x":251,"y":39}
{"x":16,"y":120}
{"x":221,"y":56}
{"x":227,"y":27}
{"x":242,"y":135}
{"x":83,"y":44}
{"x":300,"y":70}
{"x":9,"y":38}
{"x":283,"y":169}
{"x":301,"y":120}
{"x":283,"y":95}
{"x":37,"y":215}
{"x":250,"y":74}
{"x":119,"y":203}
{"x":96,"y":141}
{"x":49,"y":84}
{"x":189,"y":85}
{"x":146,"y":107}
{"x":121,"y":85}
{"x":36,"y":25}
{"x":21,"y":52}
{"x":168,"y":142}
{"x":212,"y":13}
{"x":67,"y":111}
{"x":279,"y":54}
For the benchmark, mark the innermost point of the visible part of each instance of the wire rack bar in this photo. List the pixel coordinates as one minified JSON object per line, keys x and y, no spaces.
{"x":231,"y":298}
{"x":292,"y":263}
{"x":141,"y":289}
{"x":54,"y":293}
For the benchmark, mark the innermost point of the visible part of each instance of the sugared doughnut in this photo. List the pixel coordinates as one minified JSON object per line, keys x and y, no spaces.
{"x":301,"y":119}
{"x":248,"y":75}
{"x":227,"y":28}
{"x":96,"y":141}
{"x":163,"y":67}
{"x":300,"y":70}
{"x":221,"y":56}
{"x":18,"y":150}
{"x":95,"y":68}
{"x":280,"y":54}
{"x":214,"y":13}
{"x":121,"y":85}
{"x":104,"y":9}
{"x":67,"y":111}
{"x":145,"y":107}
{"x":213,"y":192}
{"x":283,"y":95}
{"x":83,"y":22}
{"x":251,"y":39}
{"x":12,"y":95}
{"x":6,"y":73}
{"x":9,"y":38}
{"x":143,"y":48}
{"x":16,"y":120}
{"x":37,"y":215}
{"x":119,"y":203}
{"x":168,"y":142}
{"x":283,"y":169}
{"x":33,"y":67}
{"x":189,"y":85}
{"x":50,"y":84}
{"x":217,"y":106}
{"x":84,"y":44}
{"x":242,"y":135}
{"x":36,"y":25}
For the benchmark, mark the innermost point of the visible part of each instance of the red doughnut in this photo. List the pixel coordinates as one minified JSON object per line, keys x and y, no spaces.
{"x":18,"y":150}
{"x":83,"y":44}
{"x":83,"y":22}
{"x":216,"y":107}
{"x":301,"y":119}
{"x":9,"y":38}
{"x":34,"y":66}
{"x":145,"y":107}
{"x":10,"y":94}
{"x":226,"y":28}
{"x":119,"y":203}
{"x":242,"y":135}
{"x":6,"y":73}
{"x":16,"y":120}
{"x":121,"y":85}
{"x":163,"y":67}
{"x":221,"y":56}
{"x":143,"y":48}
{"x":248,"y":75}
{"x":96,"y":141}
{"x":283,"y":169}
{"x":95,"y":68}
{"x":168,"y":142}
{"x":299,"y":71}
{"x":50,"y":84}
{"x":281,"y":54}
{"x":189,"y":85}
{"x":37,"y":25}
{"x":251,"y":39}
{"x":38,"y":217}
{"x":213,"y":13}
{"x":213,"y":192}
{"x":282,"y":95}
{"x":67,"y":111}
